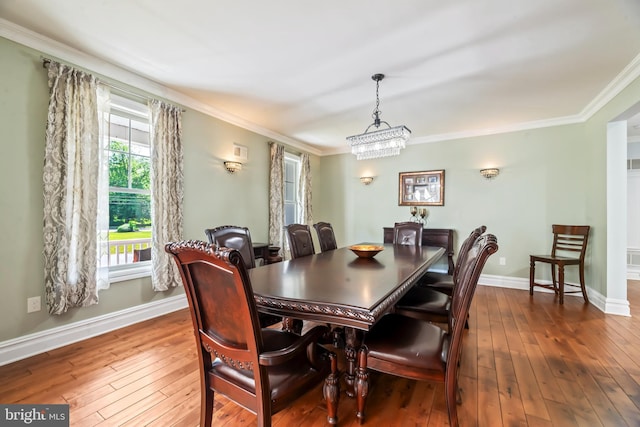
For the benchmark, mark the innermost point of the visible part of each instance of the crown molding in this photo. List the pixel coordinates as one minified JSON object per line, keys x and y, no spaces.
{"x":57,"y":50}
{"x":65,"y":53}
{"x":621,"y":81}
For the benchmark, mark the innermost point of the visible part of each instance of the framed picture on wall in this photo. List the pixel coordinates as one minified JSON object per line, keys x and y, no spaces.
{"x":424,"y":188}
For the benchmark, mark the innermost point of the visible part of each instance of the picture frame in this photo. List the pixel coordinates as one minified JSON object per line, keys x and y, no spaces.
{"x":425,"y":188}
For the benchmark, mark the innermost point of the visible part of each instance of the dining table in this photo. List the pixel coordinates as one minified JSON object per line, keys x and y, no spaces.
{"x":339,"y":288}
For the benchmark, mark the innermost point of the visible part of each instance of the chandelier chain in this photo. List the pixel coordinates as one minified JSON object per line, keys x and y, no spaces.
{"x":379,"y":143}
{"x":376,"y":111}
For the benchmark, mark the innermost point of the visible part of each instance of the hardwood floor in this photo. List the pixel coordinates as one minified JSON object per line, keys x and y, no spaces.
{"x":526,"y":361}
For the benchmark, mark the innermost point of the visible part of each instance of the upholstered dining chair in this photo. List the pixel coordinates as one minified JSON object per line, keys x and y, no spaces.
{"x":569,"y":248}
{"x":239,"y":238}
{"x":407,"y":233}
{"x":420,"y":350}
{"x":235,"y":237}
{"x":326,"y":237}
{"x":432,"y":302}
{"x":443,"y":282}
{"x":300,"y":240}
{"x":262,"y":370}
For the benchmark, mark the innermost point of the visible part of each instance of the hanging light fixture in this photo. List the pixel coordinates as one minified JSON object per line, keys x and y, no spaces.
{"x":379,"y":142}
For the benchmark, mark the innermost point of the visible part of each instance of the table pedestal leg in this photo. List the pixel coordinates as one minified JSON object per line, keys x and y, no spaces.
{"x":353,"y":341}
{"x":331,"y":391}
{"x":362,"y":384}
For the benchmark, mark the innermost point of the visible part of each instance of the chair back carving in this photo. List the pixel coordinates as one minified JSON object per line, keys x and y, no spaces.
{"x":570,"y":241}
{"x":300,"y":240}
{"x":216,"y":279}
{"x":326,"y":237}
{"x":407,"y":233}
{"x":262,"y":370}
{"x":231,"y":236}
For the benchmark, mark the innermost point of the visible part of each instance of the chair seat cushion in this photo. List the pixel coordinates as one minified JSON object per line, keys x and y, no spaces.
{"x":431,"y":277}
{"x":425,"y":299}
{"x":289,"y":378}
{"x":407,"y":342}
{"x":444,"y":287}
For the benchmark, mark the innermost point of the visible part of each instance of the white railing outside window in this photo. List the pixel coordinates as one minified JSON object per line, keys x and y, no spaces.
{"x":124,"y":251}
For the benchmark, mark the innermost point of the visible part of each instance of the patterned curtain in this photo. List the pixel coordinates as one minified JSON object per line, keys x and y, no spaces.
{"x":70,"y":193}
{"x":104,"y":106}
{"x":276,"y":196}
{"x":167,"y":191}
{"x":304,"y":190}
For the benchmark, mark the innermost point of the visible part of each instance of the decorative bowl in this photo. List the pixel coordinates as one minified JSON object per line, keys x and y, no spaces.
{"x":366,"y":251}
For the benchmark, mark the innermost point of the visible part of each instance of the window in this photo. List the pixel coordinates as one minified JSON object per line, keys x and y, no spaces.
{"x":291,"y":182}
{"x":129,"y":158}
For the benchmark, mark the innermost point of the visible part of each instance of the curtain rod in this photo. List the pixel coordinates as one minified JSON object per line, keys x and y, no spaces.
{"x":46,"y":61}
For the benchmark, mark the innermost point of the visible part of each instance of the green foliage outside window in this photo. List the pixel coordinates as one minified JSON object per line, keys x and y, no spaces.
{"x":128,"y":171}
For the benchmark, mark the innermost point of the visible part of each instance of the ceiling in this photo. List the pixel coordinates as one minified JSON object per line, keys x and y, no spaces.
{"x":302,"y":70}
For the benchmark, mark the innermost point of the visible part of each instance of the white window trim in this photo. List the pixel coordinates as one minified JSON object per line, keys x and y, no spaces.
{"x":296,"y":159}
{"x":122,"y":273}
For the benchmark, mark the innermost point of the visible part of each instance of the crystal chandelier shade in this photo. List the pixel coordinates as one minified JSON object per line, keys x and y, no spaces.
{"x":380,"y":142}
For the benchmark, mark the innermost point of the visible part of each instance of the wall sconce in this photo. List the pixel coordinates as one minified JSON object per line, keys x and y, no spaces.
{"x":366,"y":180}
{"x":233,"y":167}
{"x":489,"y":173}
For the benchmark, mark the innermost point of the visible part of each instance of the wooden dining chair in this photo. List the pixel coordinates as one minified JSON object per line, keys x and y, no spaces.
{"x":239,"y":238}
{"x":419,"y":350}
{"x":569,"y":248}
{"x":300,"y":240}
{"x":326,"y":237}
{"x":260,"y":369}
{"x":407,"y":233}
{"x":432,"y":302}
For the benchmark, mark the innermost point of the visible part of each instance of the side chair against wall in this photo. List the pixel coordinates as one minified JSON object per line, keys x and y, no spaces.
{"x":300,"y":240}
{"x":419,"y":350}
{"x":239,"y":238}
{"x":432,"y":302}
{"x":261,"y":369}
{"x":326,"y":237}
{"x":407,"y":233}
{"x":568,"y":241}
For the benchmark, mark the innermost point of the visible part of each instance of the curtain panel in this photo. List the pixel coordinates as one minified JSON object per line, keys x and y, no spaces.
{"x":276,"y":196}
{"x":70,"y":190}
{"x":167,"y":187}
{"x":304,"y":190}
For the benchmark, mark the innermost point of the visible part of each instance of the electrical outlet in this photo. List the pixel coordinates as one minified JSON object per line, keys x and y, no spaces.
{"x":33,"y":304}
{"x":503,"y":261}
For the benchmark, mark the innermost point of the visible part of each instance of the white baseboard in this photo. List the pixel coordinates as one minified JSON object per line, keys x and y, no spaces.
{"x":633,"y":272}
{"x":39,"y":342}
{"x":606,"y":305}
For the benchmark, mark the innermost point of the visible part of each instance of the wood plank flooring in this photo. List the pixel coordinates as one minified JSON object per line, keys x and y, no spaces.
{"x":526,"y":362}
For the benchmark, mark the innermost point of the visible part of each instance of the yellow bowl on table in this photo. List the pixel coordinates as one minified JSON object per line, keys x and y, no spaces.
{"x":366,"y":251}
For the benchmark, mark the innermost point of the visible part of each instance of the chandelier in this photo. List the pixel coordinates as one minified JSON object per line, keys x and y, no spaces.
{"x":379,"y":142}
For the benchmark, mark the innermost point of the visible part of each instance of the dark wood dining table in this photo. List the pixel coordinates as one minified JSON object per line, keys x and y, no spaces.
{"x":339,"y":288}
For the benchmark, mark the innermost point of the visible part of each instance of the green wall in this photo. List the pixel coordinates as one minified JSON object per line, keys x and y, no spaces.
{"x":212,"y":196}
{"x":518,"y":206}
{"x":548,"y":175}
